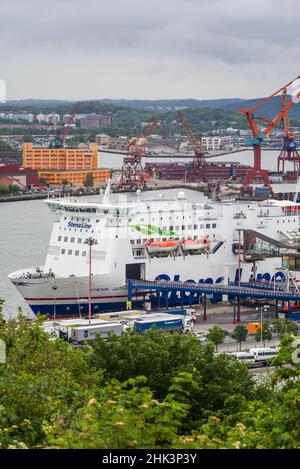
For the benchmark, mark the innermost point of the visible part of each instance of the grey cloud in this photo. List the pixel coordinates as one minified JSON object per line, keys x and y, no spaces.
{"x":156,"y":47}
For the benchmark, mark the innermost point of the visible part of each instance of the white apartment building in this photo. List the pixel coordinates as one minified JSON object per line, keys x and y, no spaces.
{"x":215,"y":143}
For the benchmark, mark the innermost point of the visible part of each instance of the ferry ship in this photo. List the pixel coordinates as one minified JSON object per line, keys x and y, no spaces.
{"x":163,"y":239}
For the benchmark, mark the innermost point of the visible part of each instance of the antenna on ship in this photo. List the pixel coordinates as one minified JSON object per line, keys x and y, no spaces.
{"x":107,"y":191}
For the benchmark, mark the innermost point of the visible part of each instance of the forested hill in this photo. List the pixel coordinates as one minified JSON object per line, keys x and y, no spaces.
{"x":162,"y":105}
{"x":214,"y":114}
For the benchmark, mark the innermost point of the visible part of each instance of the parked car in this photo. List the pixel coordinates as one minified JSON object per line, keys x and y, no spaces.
{"x":202,"y":336}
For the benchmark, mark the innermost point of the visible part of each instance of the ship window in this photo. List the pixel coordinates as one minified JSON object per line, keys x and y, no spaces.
{"x":138,"y":241}
{"x":76,"y":253}
{"x":208,"y":225}
{"x":183,"y":227}
{"x":164,"y":228}
{"x":72,"y":240}
{"x":195,"y":227}
{"x":171,"y":228}
{"x":65,"y":239}
{"x":97,"y":221}
{"x":79,"y":240}
{"x":69,"y":252}
{"x":189,"y":227}
{"x":201,"y":227}
{"x":177,"y":227}
{"x":63,"y":251}
{"x":214,"y":225}
{"x":132,"y":241}
{"x":83,"y":253}
{"x":59,"y":238}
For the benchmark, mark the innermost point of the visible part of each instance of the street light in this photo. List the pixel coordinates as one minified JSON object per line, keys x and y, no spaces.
{"x":265,"y":308}
{"x":90,"y":242}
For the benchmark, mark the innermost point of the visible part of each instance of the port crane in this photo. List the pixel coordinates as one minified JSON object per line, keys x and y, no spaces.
{"x":289,"y":151}
{"x":259,"y":135}
{"x":132,"y":173}
{"x":196,"y":143}
{"x":59,"y":139}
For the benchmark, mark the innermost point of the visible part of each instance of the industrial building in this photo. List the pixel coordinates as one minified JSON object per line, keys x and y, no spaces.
{"x":74,"y":177}
{"x":210,"y":172}
{"x":17,"y":175}
{"x":60,"y":158}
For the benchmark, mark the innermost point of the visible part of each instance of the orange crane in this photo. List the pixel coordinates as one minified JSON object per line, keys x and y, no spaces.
{"x":195,"y":142}
{"x":259,"y":135}
{"x":289,"y":151}
{"x":59,"y":140}
{"x":132,"y":173}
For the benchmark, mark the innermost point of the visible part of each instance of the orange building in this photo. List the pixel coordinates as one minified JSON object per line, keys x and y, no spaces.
{"x":75,"y":177}
{"x":60,"y":158}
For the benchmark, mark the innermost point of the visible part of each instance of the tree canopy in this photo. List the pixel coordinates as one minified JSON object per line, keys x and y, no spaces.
{"x":157,"y":390}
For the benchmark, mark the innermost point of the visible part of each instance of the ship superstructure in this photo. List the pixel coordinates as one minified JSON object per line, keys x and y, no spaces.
{"x":149,"y":239}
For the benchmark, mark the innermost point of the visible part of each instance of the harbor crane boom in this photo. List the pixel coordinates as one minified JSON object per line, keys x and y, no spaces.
{"x":132,"y":173}
{"x":196,"y":143}
{"x":258,"y":135}
{"x":59,"y":140}
{"x":289,"y":150}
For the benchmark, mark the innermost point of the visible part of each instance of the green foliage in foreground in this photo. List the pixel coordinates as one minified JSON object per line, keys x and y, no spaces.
{"x":9,"y":189}
{"x":159,"y":390}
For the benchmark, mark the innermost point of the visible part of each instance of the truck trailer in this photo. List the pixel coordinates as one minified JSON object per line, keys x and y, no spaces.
{"x":161,"y":322}
{"x":82,"y":333}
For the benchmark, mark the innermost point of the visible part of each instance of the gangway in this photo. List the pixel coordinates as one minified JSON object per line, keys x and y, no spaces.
{"x":164,"y":287}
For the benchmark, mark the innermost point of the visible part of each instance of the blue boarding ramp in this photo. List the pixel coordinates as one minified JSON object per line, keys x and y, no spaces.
{"x":163,"y":288}
{"x":243,"y":291}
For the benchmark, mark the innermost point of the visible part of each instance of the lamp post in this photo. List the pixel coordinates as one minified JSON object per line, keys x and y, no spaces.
{"x":238,"y":318}
{"x":90,"y":242}
{"x":265,"y":308}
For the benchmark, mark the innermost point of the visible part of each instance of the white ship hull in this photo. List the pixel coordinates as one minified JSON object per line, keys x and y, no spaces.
{"x":122,"y":233}
{"x":67,"y":296}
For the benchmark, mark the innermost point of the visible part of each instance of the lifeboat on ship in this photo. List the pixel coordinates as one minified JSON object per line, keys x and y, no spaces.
{"x":162,"y":246}
{"x":191,"y":245}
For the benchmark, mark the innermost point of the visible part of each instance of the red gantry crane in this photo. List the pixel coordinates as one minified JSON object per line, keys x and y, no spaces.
{"x":132,"y":174}
{"x":259,"y":135}
{"x":289,"y":151}
{"x":196,"y":143}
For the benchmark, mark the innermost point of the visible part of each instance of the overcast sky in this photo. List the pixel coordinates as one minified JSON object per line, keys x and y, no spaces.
{"x":84,"y":49}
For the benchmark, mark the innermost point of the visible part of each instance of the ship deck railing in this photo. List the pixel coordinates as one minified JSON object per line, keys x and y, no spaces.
{"x":36,"y":275}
